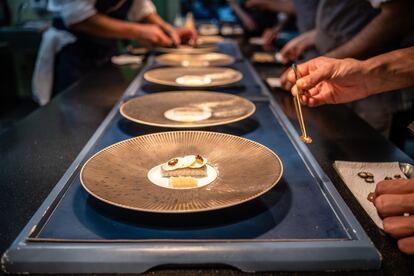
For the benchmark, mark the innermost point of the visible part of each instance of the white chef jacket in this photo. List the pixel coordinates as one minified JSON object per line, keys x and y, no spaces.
{"x":75,"y":11}
{"x":72,"y":12}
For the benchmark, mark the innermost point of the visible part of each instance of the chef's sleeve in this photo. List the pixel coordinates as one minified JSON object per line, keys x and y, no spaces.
{"x":73,"y":11}
{"x":141,"y":9}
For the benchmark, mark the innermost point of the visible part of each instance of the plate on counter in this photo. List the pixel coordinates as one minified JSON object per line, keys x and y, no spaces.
{"x":120,"y":174}
{"x":186,"y":49}
{"x":194,"y":76}
{"x":187,"y":109}
{"x":209,"y":39}
{"x":198,"y":60}
{"x":208,"y":29}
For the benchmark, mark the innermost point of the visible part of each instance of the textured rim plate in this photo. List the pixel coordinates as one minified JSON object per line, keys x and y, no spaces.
{"x":118,"y":174}
{"x":168,"y":76}
{"x":150,"y":109}
{"x":184,"y":49}
{"x":199,"y":60}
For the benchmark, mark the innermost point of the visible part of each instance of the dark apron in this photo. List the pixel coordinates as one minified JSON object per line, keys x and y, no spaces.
{"x":88,"y":52}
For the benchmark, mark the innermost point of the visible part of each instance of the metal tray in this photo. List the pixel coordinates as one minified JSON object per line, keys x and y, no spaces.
{"x":300,"y":225}
{"x":407,"y":169}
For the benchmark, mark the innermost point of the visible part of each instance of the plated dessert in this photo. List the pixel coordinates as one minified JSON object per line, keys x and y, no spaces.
{"x":181,"y":172}
{"x":187,"y":172}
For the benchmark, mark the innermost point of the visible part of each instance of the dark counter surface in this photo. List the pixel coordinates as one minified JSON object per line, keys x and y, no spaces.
{"x":37,"y":151}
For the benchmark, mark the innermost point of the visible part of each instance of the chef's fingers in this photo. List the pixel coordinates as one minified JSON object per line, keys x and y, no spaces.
{"x":406,"y":245}
{"x":304,"y":99}
{"x":187,"y":35}
{"x":287,"y":52}
{"x":295,"y":90}
{"x":395,"y":186}
{"x":313,"y":78}
{"x":284,"y":81}
{"x":160,"y":38}
{"x":389,"y":205}
{"x":290,"y":76}
{"x":268,"y":37}
{"x":175,"y":37}
{"x":399,"y":227}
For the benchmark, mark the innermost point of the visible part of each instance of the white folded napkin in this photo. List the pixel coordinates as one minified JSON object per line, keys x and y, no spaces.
{"x":274,"y":82}
{"x":256,"y":41}
{"x":360,"y":188}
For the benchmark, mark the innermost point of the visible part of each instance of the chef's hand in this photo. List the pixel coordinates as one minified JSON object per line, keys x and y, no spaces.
{"x":172,"y":33}
{"x":270,"y":34}
{"x":393,"y":199}
{"x":181,"y":35}
{"x":285,"y":83}
{"x":330,"y":81}
{"x":150,"y":35}
{"x":187,"y":35}
{"x":297,"y":46}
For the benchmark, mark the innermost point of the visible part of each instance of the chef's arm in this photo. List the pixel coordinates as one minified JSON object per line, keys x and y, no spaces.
{"x":104,"y":26}
{"x":154,"y":18}
{"x":386,"y":28}
{"x":390,"y":71}
{"x":178,"y":35}
{"x":244,"y":17}
{"x":285,"y":6}
{"x":333,"y":81}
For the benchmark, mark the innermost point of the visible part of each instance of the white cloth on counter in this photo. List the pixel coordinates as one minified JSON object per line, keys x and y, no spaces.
{"x":359,"y":188}
{"x":53,"y":41}
{"x":75,"y":11}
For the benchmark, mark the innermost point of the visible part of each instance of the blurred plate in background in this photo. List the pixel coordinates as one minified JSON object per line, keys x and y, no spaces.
{"x":194,"y":76}
{"x":209,"y":39}
{"x":199,"y":60}
{"x":186,"y":49}
{"x":187,"y":109}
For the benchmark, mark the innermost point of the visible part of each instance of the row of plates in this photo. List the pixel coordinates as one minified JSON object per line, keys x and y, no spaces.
{"x":123,"y":174}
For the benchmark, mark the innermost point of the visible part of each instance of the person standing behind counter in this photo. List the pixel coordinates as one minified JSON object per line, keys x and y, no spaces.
{"x":353,"y":28}
{"x":85,"y":33}
{"x":333,"y":81}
